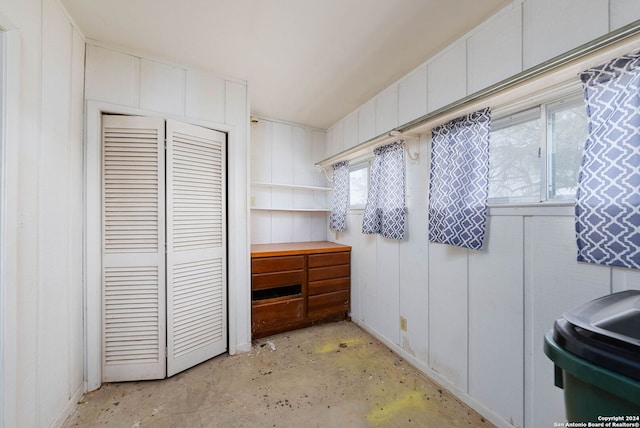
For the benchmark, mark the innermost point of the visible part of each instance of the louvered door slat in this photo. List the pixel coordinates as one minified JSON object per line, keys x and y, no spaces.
{"x":196,"y":256}
{"x":133,"y":234}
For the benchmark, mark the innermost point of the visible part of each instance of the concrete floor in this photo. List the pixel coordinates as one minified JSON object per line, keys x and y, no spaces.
{"x":332,"y":375}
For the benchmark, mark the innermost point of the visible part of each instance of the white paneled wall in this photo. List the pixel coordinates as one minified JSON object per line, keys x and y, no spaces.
{"x":412,"y":96}
{"x":551,"y":27}
{"x":447,"y":77}
{"x":134,"y":84}
{"x":283,"y":154}
{"x":494,"y":50}
{"x":496,"y":320}
{"x":44,"y":374}
{"x":476,"y":319}
{"x":554,"y":283}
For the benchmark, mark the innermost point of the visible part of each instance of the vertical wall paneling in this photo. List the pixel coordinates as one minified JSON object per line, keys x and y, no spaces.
{"x":388,"y":275}
{"x":495,"y":49}
{"x":337,"y":142}
{"x":261,"y":227}
{"x":55,"y":203}
{"x":448,"y":313}
{"x":281,"y":227}
{"x":76,"y":186}
{"x":367,"y":121}
{"x":350,"y":131}
{"x":27,"y":178}
{"x":261,"y":173}
{"x":261,"y":165}
{"x":480,"y":332}
{"x":547,"y":32}
{"x":447,"y":77}
{"x":283,"y":153}
{"x":496,"y":293}
{"x":302,"y":166}
{"x":622,"y":12}
{"x":320,"y":198}
{"x":624,"y":279}
{"x":112,"y":76}
{"x":205,"y":94}
{"x":318,"y":146}
{"x":302,"y":175}
{"x":387,"y":110}
{"x":162,"y":87}
{"x":368,"y":279}
{"x":354,"y":223}
{"x":330,"y":146}
{"x":9,"y":229}
{"x":412,"y":95}
{"x":554,"y":283}
{"x":237,"y":116}
{"x":282,"y":164}
{"x":414,"y":257}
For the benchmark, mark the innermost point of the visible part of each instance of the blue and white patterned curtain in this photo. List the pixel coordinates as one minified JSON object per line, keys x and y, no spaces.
{"x":340,"y":197}
{"x":608,"y":196}
{"x":385,"y":210}
{"x":459,"y":184}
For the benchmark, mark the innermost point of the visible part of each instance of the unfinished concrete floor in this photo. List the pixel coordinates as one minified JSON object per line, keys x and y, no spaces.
{"x":331,"y":375}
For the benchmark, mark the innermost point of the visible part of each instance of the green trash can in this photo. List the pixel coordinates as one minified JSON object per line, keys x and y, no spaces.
{"x":596,"y":353}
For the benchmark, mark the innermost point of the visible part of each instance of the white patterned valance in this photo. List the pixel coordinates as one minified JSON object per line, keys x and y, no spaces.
{"x":386,"y":208}
{"x":459,"y":183}
{"x":608,"y":196}
{"x":340,"y":197}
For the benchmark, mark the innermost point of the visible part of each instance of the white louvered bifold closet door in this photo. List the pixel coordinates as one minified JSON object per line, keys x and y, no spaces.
{"x":133,"y":254}
{"x":196,"y":245}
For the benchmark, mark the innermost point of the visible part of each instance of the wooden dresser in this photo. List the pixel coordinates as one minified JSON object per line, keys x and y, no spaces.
{"x":294,"y":285}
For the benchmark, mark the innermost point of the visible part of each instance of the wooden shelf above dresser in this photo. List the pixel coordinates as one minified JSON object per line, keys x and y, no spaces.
{"x":296,"y":284}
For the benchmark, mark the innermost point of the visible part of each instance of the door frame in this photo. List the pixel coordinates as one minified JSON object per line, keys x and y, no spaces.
{"x":92,"y":231}
{"x":9,"y":142}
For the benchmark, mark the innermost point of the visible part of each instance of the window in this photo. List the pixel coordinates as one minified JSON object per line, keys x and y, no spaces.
{"x":534,"y":155}
{"x":566,"y":135}
{"x":358,"y":185}
{"x":514,"y":159}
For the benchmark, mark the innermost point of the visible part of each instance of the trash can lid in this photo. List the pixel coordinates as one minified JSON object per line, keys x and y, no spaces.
{"x":605,"y":331}
{"x":616,"y":316}
{"x":617,"y":356}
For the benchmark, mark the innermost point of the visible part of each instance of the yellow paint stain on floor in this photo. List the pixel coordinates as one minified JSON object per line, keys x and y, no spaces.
{"x":386,"y":412}
{"x":335,"y":346}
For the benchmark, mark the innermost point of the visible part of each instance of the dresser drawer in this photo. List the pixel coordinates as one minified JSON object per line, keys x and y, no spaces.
{"x":329,"y":272}
{"x":328,"y":304}
{"x":329,"y":259}
{"x":328,"y":286}
{"x":277,"y":279}
{"x":277,"y":264}
{"x":268,"y":315}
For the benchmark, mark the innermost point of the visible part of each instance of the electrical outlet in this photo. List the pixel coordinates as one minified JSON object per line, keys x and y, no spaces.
{"x":403,"y":324}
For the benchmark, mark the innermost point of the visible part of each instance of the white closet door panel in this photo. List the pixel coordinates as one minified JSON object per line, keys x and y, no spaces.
{"x":196,"y":245}
{"x":133,"y":280}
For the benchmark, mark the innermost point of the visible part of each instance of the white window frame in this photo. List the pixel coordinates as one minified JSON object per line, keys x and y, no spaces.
{"x":545,"y":104}
{"x":552,"y":107}
{"x":366,"y":164}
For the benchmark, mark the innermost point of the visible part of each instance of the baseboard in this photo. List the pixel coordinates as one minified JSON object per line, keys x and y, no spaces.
{"x":69,"y":407}
{"x":438,"y":379}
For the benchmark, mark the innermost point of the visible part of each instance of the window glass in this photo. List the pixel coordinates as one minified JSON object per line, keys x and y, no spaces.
{"x":514,"y":159}
{"x":358,"y":185}
{"x":566,"y":135}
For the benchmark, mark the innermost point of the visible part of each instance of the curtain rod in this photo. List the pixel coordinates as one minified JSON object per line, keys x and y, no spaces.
{"x":581,"y":52}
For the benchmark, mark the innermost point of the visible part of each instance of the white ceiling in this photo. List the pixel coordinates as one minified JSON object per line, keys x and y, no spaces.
{"x":306,"y":61}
